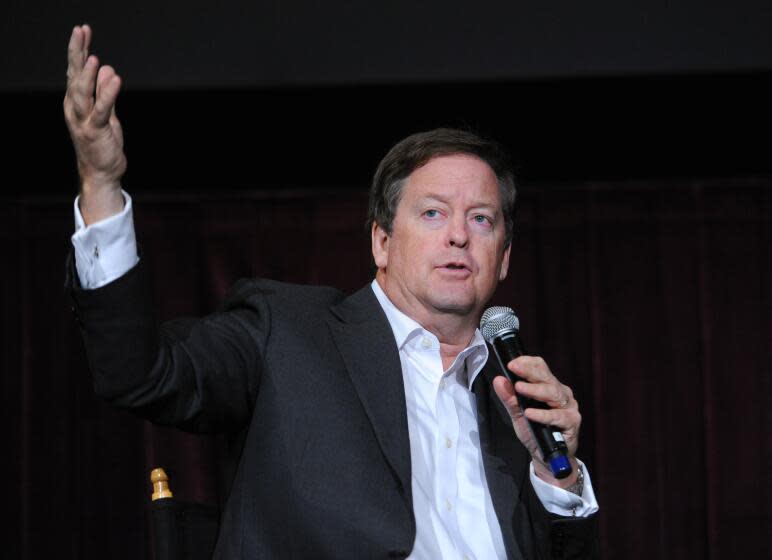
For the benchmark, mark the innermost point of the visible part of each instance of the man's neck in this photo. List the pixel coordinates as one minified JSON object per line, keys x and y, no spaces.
{"x":454,"y":331}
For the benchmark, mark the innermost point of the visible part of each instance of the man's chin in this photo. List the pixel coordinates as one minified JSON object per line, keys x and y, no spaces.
{"x":456,"y":304}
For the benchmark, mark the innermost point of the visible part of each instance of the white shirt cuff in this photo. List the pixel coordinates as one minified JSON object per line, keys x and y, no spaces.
{"x":105,"y":250}
{"x":565,"y":503}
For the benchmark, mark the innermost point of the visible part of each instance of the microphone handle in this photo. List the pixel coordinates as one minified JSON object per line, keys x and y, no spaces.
{"x":550,"y":440}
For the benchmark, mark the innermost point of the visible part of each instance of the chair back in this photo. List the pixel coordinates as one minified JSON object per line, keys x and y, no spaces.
{"x":182,"y":531}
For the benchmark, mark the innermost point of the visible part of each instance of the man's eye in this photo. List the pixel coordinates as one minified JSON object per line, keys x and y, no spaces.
{"x":431,"y":213}
{"x":480,"y":219}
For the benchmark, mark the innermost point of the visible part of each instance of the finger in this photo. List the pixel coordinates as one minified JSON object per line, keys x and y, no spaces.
{"x":108,"y":85}
{"x":565,"y":419}
{"x":74,"y":53}
{"x":103,"y":76}
{"x":531,"y":368}
{"x":82,"y":89}
{"x":87,"y":79}
{"x":506,"y":393}
{"x":87,"y":33}
{"x":555,"y":394}
{"x":83,"y":44}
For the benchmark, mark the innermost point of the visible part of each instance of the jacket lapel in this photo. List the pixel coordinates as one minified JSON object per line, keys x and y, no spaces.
{"x":366,"y":343}
{"x":501,"y":457}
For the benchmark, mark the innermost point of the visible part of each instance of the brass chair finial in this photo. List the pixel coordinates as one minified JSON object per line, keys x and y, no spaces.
{"x":160,"y":484}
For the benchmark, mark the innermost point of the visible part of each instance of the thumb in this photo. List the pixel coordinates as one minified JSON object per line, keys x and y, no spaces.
{"x":506,"y":393}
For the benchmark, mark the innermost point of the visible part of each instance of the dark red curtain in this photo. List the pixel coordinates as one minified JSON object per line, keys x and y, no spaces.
{"x":653,"y":300}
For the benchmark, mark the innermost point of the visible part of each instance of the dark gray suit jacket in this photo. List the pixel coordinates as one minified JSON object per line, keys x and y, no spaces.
{"x":313,"y":380}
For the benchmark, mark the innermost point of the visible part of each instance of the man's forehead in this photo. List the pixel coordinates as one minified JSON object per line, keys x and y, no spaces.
{"x":454,"y":165}
{"x":451,"y":176}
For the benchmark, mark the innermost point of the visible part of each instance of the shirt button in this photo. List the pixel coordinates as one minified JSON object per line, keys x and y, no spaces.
{"x":448,"y":505}
{"x":442,"y":383}
{"x":426,"y":342}
{"x":448,"y":442}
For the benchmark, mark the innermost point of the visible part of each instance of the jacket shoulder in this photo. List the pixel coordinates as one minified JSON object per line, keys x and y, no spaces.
{"x":281,"y":294}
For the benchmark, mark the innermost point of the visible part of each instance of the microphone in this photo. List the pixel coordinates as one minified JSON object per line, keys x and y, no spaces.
{"x":500,"y":327}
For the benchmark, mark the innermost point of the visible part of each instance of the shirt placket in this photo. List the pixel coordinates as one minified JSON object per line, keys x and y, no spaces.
{"x":446,"y":456}
{"x":425,"y":354}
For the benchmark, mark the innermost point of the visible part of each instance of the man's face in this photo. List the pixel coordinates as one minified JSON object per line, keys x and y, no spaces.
{"x":446,"y":250}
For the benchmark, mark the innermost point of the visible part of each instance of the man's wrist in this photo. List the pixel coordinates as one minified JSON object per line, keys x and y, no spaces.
{"x":578,"y":486}
{"x":563,"y":502}
{"x":98,"y":202}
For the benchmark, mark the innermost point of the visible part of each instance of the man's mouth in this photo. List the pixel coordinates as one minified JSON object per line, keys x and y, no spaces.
{"x":456,"y":269}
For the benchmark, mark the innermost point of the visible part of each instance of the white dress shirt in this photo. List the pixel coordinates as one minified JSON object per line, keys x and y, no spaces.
{"x":105,"y":250}
{"x":452,"y":504}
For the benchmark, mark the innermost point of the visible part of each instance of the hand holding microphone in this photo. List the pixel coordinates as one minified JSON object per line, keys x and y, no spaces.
{"x":543,"y":410}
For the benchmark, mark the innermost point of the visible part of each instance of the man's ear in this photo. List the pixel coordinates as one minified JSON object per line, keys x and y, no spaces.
{"x":380,"y":245}
{"x":505,"y":263}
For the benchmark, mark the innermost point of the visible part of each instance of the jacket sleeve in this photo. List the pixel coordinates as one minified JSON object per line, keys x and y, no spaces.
{"x":199,"y":375}
{"x":563,"y":538}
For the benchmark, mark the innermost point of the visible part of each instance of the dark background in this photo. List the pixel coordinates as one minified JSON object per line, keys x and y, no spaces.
{"x":641,"y":262}
{"x":182,"y":44}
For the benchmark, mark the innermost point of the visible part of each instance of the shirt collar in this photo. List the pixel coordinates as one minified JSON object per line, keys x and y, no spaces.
{"x":402,"y":325}
{"x":404,"y":328}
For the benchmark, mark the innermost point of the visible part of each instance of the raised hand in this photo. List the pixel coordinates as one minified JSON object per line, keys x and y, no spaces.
{"x":538,"y":383}
{"x":89,"y":111}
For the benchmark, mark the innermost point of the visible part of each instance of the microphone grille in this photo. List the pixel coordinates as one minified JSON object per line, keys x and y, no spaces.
{"x":496,"y":319}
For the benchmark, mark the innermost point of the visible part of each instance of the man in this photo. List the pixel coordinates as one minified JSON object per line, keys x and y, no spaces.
{"x":376,"y":424}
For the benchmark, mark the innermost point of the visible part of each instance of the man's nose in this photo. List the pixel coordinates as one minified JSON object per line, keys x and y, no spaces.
{"x":458,"y":235}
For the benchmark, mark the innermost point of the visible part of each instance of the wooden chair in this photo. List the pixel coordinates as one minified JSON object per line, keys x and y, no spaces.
{"x":182,"y":531}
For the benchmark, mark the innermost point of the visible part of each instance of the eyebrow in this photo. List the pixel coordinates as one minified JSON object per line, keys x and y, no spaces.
{"x":441,"y":199}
